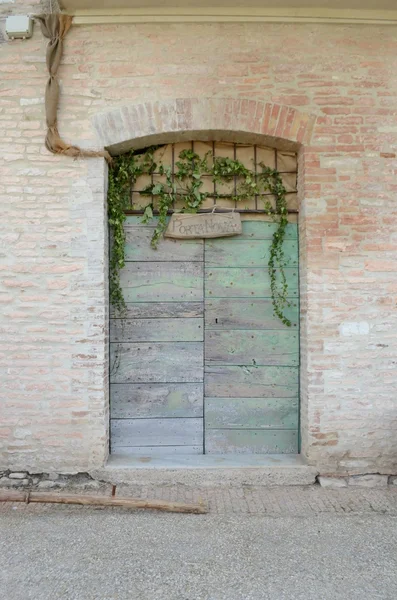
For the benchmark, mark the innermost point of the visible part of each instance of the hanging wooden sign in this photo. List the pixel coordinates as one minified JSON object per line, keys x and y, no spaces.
{"x":203,"y":225}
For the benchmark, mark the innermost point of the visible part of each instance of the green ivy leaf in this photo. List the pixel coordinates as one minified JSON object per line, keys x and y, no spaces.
{"x":157,"y":189}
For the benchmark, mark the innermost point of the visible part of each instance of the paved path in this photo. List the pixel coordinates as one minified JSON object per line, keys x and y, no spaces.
{"x":255,"y":544}
{"x":272,"y":501}
{"x":277,"y":501}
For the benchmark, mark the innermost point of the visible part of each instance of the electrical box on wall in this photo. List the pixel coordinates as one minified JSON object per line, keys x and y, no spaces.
{"x":19,"y":27}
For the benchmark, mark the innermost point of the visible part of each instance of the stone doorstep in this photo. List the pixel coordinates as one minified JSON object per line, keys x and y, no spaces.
{"x":369,"y":480}
{"x":209,"y":471}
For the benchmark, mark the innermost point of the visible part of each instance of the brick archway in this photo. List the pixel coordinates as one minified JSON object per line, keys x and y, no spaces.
{"x":221,"y":119}
{"x":140,"y":125}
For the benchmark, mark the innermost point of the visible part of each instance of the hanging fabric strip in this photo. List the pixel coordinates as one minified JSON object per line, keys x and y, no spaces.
{"x":55,"y":27}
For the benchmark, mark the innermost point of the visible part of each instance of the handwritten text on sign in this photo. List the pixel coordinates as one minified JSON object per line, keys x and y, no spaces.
{"x":206,"y":225}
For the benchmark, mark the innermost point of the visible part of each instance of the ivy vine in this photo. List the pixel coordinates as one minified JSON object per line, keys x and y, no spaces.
{"x":183,"y":185}
{"x":123,"y":173}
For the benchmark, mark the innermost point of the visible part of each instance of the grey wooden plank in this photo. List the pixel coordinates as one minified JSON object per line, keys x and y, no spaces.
{"x":245,"y":282}
{"x":149,"y":452}
{"x":233,"y":252}
{"x":251,"y":441}
{"x":251,"y":413}
{"x":156,"y":362}
{"x":162,"y":281}
{"x":156,"y":432}
{"x":156,"y":330}
{"x":262,"y":230}
{"x":146,"y":400}
{"x":260,"y":348}
{"x":162,"y":310}
{"x":138,"y":248}
{"x":251,"y":382}
{"x":247,"y":313}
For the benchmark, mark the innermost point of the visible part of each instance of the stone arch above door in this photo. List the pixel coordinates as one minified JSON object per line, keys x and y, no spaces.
{"x":225,"y":119}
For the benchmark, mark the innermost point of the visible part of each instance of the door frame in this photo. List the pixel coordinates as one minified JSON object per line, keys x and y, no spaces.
{"x":220,"y":119}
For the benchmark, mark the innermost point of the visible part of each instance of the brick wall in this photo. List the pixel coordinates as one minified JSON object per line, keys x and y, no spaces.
{"x":52,"y":273}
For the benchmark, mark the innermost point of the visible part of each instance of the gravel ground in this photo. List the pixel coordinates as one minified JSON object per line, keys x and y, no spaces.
{"x":52,"y":552}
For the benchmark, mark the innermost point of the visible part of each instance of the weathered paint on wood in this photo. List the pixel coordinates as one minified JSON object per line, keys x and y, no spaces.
{"x":149,"y":452}
{"x":162,"y":281}
{"x":156,"y":362}
{"x":251,"y":413}
{"x":157,"y":377}
{"x":251,"y":382}
{"x":252,"y":348}
{"x":250,"y":441}
{"x":145,"y":400}
{"x":163,"y":310}
{"x":245,"y":283}
{"x":156,"y":330}
{"x":253,"y":313}
{"x":261,"y":230}
{"x":156,"y":432}
{"x":138,"y":248}
{"x":205,"y":225}
{"x":246,"y":253}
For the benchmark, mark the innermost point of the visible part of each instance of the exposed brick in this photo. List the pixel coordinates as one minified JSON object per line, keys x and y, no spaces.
{"x":298,"y":82}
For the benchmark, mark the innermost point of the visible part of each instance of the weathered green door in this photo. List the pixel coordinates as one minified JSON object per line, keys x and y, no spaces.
{"x":157,"y":351}
{"x":200,"y":364}
{"x":251,"y":358}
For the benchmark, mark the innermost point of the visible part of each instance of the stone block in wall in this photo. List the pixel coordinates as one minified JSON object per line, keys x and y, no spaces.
{"x":47,"y":484}
{"x":5,"y":482}
{"x":368,"y":481}
{"x":17,"y":475}
{"x":332,"y":482}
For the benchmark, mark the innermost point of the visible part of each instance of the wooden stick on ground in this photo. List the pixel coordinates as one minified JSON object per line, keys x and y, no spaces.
{"x":27,"y":497}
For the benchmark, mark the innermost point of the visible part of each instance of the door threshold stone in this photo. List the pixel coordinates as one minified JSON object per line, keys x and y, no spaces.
{"x":208,"y":470}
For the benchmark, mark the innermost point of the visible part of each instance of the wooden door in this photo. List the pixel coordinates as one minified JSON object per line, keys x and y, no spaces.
{"x":156,"y":375}
{"x":251,"y":358}
{"x":164,"y":351}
